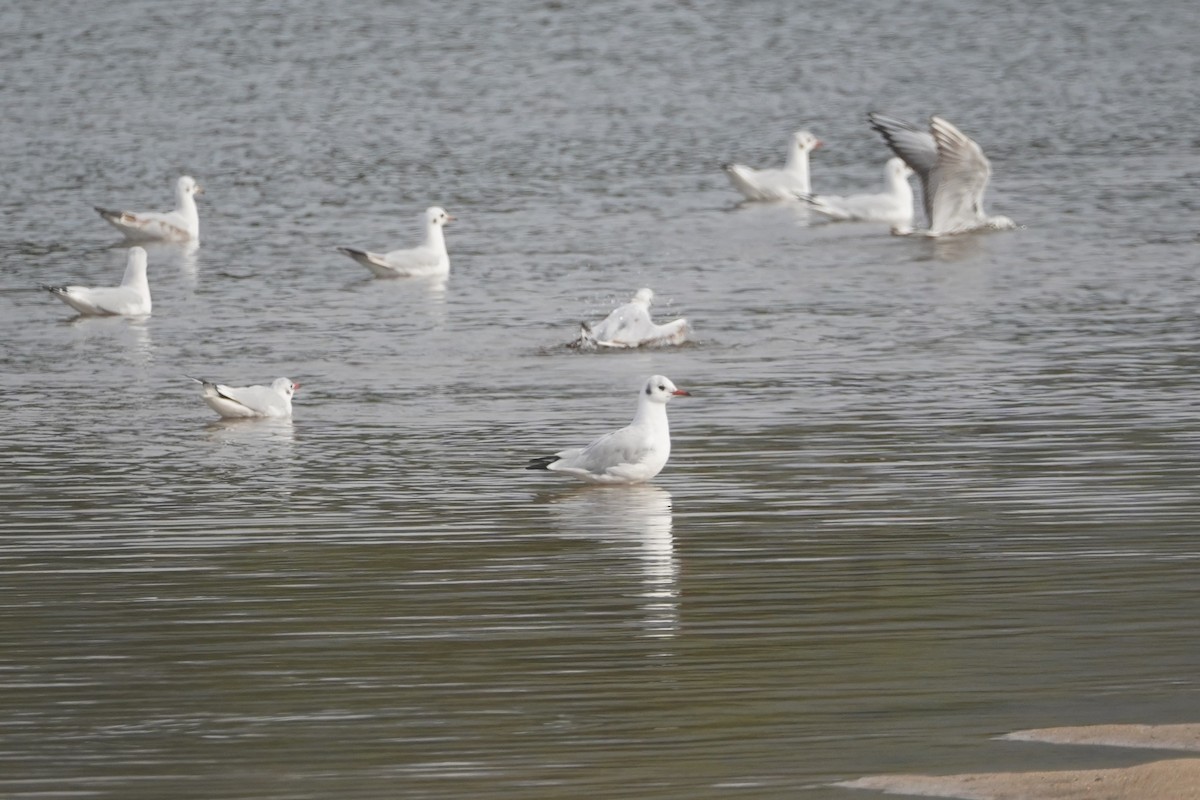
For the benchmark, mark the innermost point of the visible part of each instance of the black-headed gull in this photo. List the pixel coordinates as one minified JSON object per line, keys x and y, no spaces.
{"x":240,"y":402}
{"x":894,"y":204}
{"x":633,"y":454}
{"x":429,"y":259}
{"x":130,"y":299}
{"x":953,"y":170}
{"x":630,"y":326}
{"x":182,"y":224}
{"x":777,"y":184}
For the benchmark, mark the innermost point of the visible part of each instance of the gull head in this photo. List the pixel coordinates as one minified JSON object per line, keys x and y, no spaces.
{"x":644,"y":296}
{"x":659,"y":389}
{"x":897,"y":167}
{"x":187,"y":185}
{"x":436,"y":215}
{"x":805,"y":141}
{"x":284,"y":387}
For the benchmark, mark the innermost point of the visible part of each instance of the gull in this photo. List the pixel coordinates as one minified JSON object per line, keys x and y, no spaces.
{"x":894,"y":205}
{"x":130,"y":299}
{"x":954,"y":173}
{"x":239,"y":402}
{"x":630,"y":326}
{"x":633,"y":454}
{"x":429,"y":259}
{"x":777,"y":184}
{"x":182,"y":224}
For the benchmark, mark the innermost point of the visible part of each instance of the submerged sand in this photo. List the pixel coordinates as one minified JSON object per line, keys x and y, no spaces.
{"x":1170,"y":779}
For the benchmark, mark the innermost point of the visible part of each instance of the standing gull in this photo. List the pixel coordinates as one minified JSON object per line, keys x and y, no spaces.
{"x":429,"y":259}
{"x":182,"y":224}
{"x":894,"y":204}
{"x":240,"y":402}
{"x":777,"y":184}
{"x":630,"y":326}
{"x":130,"y":299}
{"x":954,"y":173}
{"x":633,"y":454}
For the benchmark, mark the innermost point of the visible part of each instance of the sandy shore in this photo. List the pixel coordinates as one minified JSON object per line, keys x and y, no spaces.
{"x":1169,"y":779}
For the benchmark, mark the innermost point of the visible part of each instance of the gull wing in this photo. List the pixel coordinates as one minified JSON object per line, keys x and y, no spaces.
{"x":918,"y":148}
{"x":961,"y":176}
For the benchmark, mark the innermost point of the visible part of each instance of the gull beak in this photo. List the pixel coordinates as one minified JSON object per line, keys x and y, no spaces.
{"x":681,"y":393}
{"x":817,"y":146}
{"x":451,"y":218}
{"x":295,"y":386}
{"x":199,"y":189}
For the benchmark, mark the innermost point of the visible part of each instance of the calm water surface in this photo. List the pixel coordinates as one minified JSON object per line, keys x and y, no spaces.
{"x":924,"y":493}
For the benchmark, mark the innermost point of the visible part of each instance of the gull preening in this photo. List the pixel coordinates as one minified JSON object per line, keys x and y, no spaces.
{"x":429,"y":259}
{"x":241,"y":402}
{"x":633,"y":454}
{"x":130,"y":299}
{"x":182,"y":224}
{"x":953,"y":170}
{"x":894,"y":204}
{"x":630,"y":326}
{"x":777,"y":184}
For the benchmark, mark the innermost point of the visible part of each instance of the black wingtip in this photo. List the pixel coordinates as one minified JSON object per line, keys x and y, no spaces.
{"x":541,"y":463}
{"x":52,"y":289}
{"x":350,"y":251}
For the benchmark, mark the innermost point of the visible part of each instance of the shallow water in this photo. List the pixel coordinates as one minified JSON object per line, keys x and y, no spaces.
{"x":924,"y":493}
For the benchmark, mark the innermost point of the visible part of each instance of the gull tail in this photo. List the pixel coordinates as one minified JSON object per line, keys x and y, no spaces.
{"x":543,"y":462}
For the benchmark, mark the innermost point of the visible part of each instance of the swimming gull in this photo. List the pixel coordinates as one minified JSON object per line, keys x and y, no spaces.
{"x":630,"y":326}
{"x":632,"y":454}
{"x":429,"y":259}
{"x":130,"y":299}
{"x":239,"y":402}
{"x":777,"y":184}
{"x":182,"y":224}
{"x":894,"y":204}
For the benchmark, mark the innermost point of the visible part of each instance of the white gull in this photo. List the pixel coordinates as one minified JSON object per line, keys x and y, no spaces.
{"x":130,"y":299}
{"x":632,"y":454}
{"x":777,"y":184}
{"x":894,"y":204}
{"x":429,"y":259}
{"x":953,"y":170}
{"x":630,"y":325}
{"x":182,"y":224}
{"x":239,"y":402}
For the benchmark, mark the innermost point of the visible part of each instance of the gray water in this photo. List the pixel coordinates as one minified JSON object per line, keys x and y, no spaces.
{"x":924,"y":492}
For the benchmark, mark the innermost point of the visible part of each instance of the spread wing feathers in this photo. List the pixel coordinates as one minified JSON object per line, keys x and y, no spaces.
{"x":918,"y":148}
{"x":961,"y":177}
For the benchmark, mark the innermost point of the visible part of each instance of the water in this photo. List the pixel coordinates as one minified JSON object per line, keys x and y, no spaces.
{"x":924,"y":493}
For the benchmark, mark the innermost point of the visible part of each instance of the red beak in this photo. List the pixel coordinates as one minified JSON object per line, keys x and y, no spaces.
{"x":295,"y":386}
{"x":682,"y":393}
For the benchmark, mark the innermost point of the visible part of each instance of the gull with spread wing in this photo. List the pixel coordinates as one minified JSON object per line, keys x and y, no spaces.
{"x":953,"y":170}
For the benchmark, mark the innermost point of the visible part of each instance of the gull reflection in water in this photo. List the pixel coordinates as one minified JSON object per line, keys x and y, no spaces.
{"x":637,"y":517}
{"x":129,"y":336}
{"x":251,"y":453}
